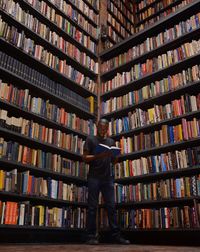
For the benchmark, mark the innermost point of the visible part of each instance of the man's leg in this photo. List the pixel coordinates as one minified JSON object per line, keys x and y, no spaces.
{"x":93,"y":197}
{"x":107,"y":189}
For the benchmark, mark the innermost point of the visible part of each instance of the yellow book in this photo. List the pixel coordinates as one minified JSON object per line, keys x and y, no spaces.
{"x":91,"y":101}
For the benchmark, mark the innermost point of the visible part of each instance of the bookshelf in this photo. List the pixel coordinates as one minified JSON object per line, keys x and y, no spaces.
{"x":157,"y":183}
{"x":120,"y":21}
{"x":48,"y":106}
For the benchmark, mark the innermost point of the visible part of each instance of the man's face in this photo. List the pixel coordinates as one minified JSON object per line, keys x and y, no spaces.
{"x":102,"y":129}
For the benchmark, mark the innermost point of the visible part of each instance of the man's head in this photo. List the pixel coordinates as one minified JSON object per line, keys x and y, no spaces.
{"x":102,"y":128}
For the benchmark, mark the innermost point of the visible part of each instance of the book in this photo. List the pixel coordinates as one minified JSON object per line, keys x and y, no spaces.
{"x":104,"y":148}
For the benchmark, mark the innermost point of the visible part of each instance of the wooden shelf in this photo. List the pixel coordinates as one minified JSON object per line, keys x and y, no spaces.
{"x":38,"y":199}
{"x":158,"y":12}
{"x":160,"y":149}
{"x":134,"y":85}
{"x":147,"y":6}
{"x":151,"y":31}
{"x":52,"y":73}
{"x":156,"y":126}
{"x":31,"y":142}
{"x":151,"y":177}
{"x":47,"y":95}
{"x":47,"y":172}
{"x":148,"y":103}
{"x":74,"y":23}
{"x":118,"y":20}
{"x":58,"y":30}
{"x":151,"y":54}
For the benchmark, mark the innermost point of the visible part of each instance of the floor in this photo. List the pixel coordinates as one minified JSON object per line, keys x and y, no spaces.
{"x":99,"y":248}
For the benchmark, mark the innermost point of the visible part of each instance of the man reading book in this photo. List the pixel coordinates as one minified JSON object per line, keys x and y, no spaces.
{"x":101,"y":179}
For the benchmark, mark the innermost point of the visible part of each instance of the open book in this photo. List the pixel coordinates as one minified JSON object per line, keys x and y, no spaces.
{"x":103,"y":148}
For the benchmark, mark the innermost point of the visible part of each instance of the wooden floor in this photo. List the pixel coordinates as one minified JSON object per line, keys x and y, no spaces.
{"x":98,"y":248}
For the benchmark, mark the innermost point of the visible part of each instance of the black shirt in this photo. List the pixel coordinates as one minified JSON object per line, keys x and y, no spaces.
{"x":100,"y":168}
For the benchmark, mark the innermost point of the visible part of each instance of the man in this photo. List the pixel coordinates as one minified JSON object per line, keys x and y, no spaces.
{"x":101,"y":179}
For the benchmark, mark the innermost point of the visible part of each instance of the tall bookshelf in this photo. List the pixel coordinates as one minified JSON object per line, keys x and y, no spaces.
{"x":48,"y":87}
{"x":150,"y":95}
{"x":120,"y":21}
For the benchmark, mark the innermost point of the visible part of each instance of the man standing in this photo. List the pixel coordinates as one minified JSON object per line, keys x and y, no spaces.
{"x":101,"y":179}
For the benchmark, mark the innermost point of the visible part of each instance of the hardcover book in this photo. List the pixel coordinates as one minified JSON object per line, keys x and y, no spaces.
{"x":103,"y":148}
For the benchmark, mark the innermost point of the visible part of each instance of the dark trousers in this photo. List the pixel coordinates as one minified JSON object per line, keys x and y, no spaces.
{"x":106,"y":187}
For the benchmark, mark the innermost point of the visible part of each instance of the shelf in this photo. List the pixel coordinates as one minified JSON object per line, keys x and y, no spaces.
{"x":58,"y":30}
{"x":158,"y":12}
{"x":135,"y":39}
{"x":116,"y":31}
{"x":22,"y":197}
{"x":148,"y":103}
{"x":187,"y":230}
{"x":41,"y":172}
{"x":31,"y":142}
{"x":156,"y":126}
{"x":147,"y":6}
{"x":83,"y":14}
{"x":38,"y":118}
{"x":118,"y":20}
{"x":151,"y":54}
{"x":130,"y":21}
{"x":52,"y":73}
{"x":150,"y":177}
{"x":91,"y":6}
{"x":160,"y":203}
{"x":12,"y":77}
{"x":74,"y":23}
{"x":160,"y":149}
{"x":46,"y":44}
{"x":157,"y":75}
{"x":4,"y":226}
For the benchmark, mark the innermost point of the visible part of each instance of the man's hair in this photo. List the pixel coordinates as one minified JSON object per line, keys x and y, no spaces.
{"x":103,"y":121}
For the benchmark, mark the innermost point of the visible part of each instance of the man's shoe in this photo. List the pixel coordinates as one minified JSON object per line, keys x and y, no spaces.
{"x":121,"y":240}
{"x":92,"y":241}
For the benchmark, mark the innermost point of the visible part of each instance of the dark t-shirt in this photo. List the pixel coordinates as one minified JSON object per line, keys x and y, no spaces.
{"x":100,"y":168}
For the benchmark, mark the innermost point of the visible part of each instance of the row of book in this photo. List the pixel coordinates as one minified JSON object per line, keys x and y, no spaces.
{"x":94,"y":3}
{"x":11,"y":35}
{"x":67,"y":10}
{"x":83,"y":7}
{"x":153,"y":9}
{"x":151,"y":43}
{"x":118,"y":27}
{"x":26,"y":102}
{"x":168,"y":134}
{"x":163,"y":86}
{"x":159,"y":218}
{"x":158,"y":190}
{"x":65,"y":25}
{"x":160,"y":62}
{"x":145,"y":3}
{"x":115,"y":37}
{"x":158,"y":113}
{"x":168,"y":161}
{"x":162,"y":14}
{"x":154,"y":114}
{"x":24,"y":183}
{"x":13,"y":151}
{"x":36,"y":78}
{"x":125,"y":9}
{"x":81,"y":10}
{"x":50,"y":35}
{"x":41,"y":133}
{"x":25,"y":213}
{"x":119,"y":16}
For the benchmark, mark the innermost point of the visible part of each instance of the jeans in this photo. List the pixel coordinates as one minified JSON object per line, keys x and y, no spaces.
{"x":106,"y":187}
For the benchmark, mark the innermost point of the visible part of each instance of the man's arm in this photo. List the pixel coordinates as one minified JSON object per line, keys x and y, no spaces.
{"x":88,"y":157}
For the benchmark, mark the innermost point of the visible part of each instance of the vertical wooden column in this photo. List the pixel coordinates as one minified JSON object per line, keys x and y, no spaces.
{"x":103,"y":15}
